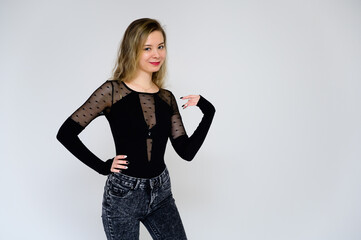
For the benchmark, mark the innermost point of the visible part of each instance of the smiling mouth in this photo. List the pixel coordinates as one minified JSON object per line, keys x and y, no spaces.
{"x":155,"y":63}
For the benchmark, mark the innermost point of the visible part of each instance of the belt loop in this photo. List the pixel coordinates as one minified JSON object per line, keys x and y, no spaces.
{"x":162,"y":179}
{"x":164,"y":175}
{"x":136,"y":184}
{"x":151,"y":183}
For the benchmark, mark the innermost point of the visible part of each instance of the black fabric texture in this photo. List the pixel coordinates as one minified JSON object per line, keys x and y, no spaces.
{"x":141,"y":124}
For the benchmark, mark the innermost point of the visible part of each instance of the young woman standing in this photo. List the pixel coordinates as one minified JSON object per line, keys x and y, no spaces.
{"x":142,"y":116}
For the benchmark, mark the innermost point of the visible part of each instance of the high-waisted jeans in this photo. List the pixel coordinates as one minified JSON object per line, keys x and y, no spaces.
{"x":128,"y":200}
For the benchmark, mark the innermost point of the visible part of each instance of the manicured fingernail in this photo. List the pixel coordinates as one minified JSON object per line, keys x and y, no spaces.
{"x":125,"y":156}
{"x":125,"y":167}
{"x":183,"y":105}
{"x":181,"y":97}
{"x":127,"y":162}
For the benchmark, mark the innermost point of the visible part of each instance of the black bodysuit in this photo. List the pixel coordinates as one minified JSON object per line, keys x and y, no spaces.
{"x":141,"y":124}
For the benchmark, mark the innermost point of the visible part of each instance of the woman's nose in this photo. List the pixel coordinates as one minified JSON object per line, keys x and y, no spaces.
{"x":156,"y":53}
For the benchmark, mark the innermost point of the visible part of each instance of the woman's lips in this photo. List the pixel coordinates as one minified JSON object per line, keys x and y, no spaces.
{"x":155,"y":63}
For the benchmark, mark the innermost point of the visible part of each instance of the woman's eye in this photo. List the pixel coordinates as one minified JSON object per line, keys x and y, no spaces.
{"x":147,"y":49}
{"x":160,"y":47}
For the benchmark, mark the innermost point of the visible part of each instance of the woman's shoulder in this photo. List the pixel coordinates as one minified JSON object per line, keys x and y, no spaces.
{"x":111,"y":82}
{"x":165,"y":91}
{"x":119,"y":89}
{"x":166,"y":95}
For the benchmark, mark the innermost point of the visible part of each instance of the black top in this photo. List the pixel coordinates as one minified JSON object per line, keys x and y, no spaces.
{"x":141,"y":124}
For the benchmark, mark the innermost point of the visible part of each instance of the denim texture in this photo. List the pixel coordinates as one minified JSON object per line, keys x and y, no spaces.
{"x":127,"y":201}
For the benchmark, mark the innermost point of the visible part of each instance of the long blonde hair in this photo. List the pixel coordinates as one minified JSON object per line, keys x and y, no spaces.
{"x":130,"y":48}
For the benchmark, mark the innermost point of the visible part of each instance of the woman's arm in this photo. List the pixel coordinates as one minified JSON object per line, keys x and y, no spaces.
{"x":95,"y":106}
{"x":187,"y":147}
{"x":68,"y":136}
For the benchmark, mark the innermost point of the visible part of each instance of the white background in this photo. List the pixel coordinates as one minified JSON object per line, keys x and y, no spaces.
{"x":282,"y":158}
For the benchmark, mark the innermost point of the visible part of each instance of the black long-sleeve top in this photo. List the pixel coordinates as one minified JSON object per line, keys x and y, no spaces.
{"x":141,"y":124}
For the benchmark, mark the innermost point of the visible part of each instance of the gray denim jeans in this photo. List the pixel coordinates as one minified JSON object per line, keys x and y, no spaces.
{"x":127,"y":201}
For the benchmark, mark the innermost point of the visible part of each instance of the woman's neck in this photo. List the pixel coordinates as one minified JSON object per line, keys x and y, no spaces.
{"x":143,"y":82}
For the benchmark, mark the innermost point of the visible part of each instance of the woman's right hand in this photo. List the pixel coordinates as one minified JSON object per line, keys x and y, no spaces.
{"x":119,"y":163}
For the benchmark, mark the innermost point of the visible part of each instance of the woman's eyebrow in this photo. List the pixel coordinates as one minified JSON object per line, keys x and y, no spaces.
{"x":151,"y":45}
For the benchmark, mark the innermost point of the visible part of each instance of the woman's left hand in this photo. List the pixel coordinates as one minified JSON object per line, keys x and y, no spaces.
{"x":192,"y":100}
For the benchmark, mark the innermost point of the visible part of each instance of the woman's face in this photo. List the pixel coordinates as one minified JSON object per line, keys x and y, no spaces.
{"x":153,"y":53}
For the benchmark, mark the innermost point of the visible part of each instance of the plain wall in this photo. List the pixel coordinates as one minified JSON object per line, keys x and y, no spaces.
{"x":282,"y":158}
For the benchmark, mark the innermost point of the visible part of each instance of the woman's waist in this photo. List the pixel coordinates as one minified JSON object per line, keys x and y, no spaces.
{"x":142,"y":173}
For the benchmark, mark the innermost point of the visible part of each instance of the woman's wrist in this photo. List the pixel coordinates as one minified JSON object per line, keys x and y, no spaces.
{"x":106,"y":167}
{"x":206,"y":106}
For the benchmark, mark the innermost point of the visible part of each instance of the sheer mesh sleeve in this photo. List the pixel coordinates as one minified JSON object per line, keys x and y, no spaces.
{"x":99,"y":102}
{"x":96,"y":104}
{"x":187,"y":147}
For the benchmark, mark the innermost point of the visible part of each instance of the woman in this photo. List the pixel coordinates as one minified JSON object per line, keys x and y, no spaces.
{"x":142,"y":116}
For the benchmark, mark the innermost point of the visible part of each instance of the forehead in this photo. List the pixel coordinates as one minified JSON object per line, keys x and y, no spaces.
{"x":155,"y":37}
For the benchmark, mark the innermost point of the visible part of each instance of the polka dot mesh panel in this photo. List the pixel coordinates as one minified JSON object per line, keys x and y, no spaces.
{"x":99,"y":102}
{"x":94,"y":106}
{"x":148,"y":107}
{"x":177,"y":126}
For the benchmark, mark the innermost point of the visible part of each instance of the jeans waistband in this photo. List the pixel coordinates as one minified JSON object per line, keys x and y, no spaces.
{"x":142,"y":183}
